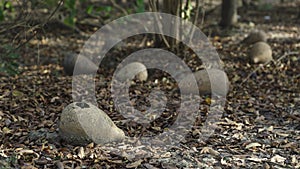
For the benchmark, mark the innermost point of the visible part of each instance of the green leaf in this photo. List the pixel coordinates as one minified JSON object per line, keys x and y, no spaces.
{"x":140,"y":6}
{"x":51,"y":3}
{"x":70,"y":4}
{"x":70,"y":21}
{"x":12,"y":68}
{"x":14,"y":65}
{"x":13,"y":56}
{"x":90,"y":9}
{"x":17,"y":93}
{"x":7,"y":5}
{"x":104,"y":8}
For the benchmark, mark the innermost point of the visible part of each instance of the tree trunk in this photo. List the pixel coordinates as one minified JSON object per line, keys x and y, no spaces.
{"x":229,"y":13}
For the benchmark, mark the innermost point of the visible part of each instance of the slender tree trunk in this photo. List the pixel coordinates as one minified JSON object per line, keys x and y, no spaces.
{"x":229,"y":13}
{"x":299,"y":11}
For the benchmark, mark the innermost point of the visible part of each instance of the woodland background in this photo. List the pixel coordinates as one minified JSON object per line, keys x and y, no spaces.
{"x":259,"y":127}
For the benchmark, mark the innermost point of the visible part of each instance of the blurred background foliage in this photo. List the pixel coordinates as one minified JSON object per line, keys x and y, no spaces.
{"x":33,"y":15}
{"x":29,"y":14}
{"x":24,"y":13}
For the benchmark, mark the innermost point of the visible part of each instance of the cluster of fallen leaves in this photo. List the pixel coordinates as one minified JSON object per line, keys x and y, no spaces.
{"x":259,"y":127}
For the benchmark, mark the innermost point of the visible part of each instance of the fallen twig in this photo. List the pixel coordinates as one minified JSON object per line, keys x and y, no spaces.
{"x":275,"y":61}
{"x":118,"y":7}
{"x":285,"y":55}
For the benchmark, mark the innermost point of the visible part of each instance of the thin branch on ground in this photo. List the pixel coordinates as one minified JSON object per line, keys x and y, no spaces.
{"x":36,"y":27}
{"x":118,"y":7}
{"x":261,"y":66}
{"x":285,"y":55}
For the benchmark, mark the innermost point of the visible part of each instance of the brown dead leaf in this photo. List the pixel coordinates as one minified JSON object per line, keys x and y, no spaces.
{"x":28,"y":166}
{"x":253,"y":145}
{"x":134,"y":164}
{"x":81,"y":153}
{"x":209,"y":150}
{"x":278,"y":159}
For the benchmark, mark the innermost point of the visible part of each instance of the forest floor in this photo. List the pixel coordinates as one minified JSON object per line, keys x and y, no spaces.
{"x":259,"y":127}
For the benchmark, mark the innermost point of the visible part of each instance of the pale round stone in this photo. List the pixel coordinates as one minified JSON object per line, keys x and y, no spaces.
{"x":82,"y":123}
{"x":134,"y":69}
{"x":260,"y":52}
{"x":209,"y":81}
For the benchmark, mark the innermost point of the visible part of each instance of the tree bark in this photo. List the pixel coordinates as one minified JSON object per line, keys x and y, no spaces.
{"x":229,"y":13}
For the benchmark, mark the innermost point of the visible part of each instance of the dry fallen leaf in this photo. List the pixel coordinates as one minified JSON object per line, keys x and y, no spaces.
{"x":264,"y":109}
{"x":206,"y":150}
{"x":81,"y":153}
{"x":257,"y":159}
{"x":59,"y":165}
{"x":253,"y":145}
{"x":278,"y":159}
{"x":28,"y":166}
{"x":134,"y":164}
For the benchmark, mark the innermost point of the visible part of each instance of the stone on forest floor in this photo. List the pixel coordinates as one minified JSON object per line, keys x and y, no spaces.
{"x":209,"y":81}
{"x":82,"y":123}
{"x":84,"y":65}
{"x":134,"y":69}
{"x":260,"y":52}
{"x":255,"y":36}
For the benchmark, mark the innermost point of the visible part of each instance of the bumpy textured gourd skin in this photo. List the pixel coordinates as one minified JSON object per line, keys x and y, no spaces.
{"x":129,"y":70}
{"x":209,"y":81}
{"x":260,"y":52}
{"x":82,"y":123}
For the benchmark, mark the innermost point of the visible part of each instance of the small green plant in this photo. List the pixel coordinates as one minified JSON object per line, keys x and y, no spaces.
{"x":265,"y":5}
{"x":105,"y":9}
{"x":50,"y":3}
{"x":90,"y":9}
{"x":5,"y":7}
{"x":140,"y":6}
{"x":9,"y":62}
{"x":70,"y":5}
